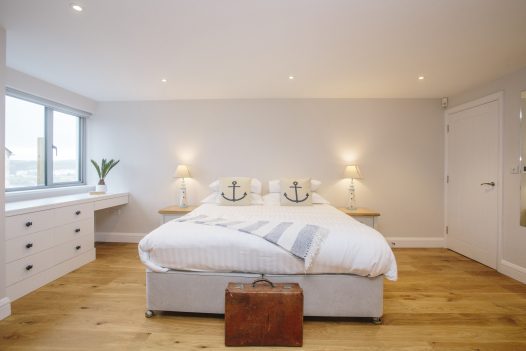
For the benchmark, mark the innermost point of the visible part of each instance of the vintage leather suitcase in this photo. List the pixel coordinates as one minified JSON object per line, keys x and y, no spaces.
{"x":263,"y":314}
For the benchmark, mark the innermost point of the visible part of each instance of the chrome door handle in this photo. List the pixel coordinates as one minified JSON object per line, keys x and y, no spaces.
{"x":490,"y":183}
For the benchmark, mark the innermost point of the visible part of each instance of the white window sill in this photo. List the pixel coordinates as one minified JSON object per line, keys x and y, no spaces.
{"x":24,"y":195}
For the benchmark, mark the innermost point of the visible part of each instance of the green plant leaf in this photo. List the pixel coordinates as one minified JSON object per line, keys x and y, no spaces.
{"x":97,"y":168}
{"x":112,"y":164}
{"x":105,"y":167}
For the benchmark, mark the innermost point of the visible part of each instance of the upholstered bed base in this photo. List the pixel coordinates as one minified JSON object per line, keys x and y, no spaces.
{"x":328,"y":295}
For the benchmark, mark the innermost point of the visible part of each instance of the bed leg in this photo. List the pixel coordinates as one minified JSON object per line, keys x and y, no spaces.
{"x":377,"y":320}
{"x":148,"y":314}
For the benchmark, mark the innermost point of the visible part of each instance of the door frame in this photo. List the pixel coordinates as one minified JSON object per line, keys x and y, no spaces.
{"x":499,"y":98}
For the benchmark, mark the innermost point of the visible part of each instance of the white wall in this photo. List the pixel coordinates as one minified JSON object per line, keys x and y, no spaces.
{"x":4,"y":302}
{"x":397,"y":143}
{"x":31,"y":85}
{"x":513,"y":235}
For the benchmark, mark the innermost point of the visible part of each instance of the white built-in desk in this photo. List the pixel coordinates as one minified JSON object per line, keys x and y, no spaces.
{"x":49,"y":237}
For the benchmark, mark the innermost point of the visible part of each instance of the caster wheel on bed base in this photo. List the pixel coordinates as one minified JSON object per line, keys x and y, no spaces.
{"x":378,"y":320}
{"x":148,"y":314}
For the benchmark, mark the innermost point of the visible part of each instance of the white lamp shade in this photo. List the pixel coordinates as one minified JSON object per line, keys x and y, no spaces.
{"x":182,"y":172}
{"x":353,"y":172}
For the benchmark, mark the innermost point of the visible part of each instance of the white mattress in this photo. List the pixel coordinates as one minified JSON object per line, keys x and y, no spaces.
{"x":351,"y":247}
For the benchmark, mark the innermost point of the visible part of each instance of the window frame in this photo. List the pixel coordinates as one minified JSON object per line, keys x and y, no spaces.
{"x":49,"y":108}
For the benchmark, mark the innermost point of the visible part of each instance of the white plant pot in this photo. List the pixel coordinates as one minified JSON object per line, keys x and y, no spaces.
{"x":101,"y":188}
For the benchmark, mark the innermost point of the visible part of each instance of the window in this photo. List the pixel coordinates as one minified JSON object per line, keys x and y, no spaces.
{"x":24,"y":140}
{"x":66,"y":146}
{"x":44,"y":143}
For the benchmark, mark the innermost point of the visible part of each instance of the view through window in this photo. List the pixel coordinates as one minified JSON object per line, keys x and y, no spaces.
{"x":42,"y":146}
{"x":66,"y":149}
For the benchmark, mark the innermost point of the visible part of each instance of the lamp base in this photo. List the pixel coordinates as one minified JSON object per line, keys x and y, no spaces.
{"x":351,"y":204}
{"x":182,"y":199}
{"x":182,"y":195}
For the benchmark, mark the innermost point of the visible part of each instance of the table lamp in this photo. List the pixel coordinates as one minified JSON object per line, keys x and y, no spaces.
{"x":352,"y":172}
{"x":181,"y":172}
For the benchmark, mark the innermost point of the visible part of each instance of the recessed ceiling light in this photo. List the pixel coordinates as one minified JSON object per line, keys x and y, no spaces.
{"x":291,"y":77}
{"x":420,"y":77}
{"x":164,"y":80}
{"x":76,"y":7}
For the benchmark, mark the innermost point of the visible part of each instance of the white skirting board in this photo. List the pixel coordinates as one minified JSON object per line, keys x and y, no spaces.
{"x":414,"y":242}
{"x":115,"y":237}
{"x":5,"y":308}
{"x":512,"y":270}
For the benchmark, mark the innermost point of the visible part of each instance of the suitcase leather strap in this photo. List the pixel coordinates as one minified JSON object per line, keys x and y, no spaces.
{"x":262,"y":280}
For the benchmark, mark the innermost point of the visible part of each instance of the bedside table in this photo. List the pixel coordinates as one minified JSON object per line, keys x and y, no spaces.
{"x":174,"y":212}
{"x":363,"y":215}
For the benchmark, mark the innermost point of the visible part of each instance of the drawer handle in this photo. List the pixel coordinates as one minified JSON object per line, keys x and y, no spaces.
{"x":77,"y":230}
{"x":29,"y":224}
{"x":29,"y":267}
{"x":77,"y":212}
{"x":77,"y":247}
{"x":29,"y":245}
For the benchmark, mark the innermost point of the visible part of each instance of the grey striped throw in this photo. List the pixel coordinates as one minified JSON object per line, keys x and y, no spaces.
{"x":300,"y":239}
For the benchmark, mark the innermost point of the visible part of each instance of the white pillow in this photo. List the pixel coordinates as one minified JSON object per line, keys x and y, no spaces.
{"x":274,"y":185}
{"x":274,"y":199}
{"x":255,"y":199}
{"x":255,"y":186}
{"x":318,"y":199}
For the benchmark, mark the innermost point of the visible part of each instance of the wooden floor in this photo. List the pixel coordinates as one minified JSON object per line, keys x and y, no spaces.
{"x":442,"y":301}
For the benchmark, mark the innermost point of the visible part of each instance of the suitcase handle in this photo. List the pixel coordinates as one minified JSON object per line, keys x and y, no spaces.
{"x":263,"y":280}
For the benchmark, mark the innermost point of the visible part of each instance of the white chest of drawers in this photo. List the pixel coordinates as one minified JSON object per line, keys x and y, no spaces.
{"x":46,"y":239}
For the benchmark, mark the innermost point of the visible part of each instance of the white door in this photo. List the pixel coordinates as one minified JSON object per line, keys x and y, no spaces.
{"x":472,"y":215}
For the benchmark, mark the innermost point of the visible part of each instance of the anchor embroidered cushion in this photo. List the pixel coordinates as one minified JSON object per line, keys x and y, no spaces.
{"x":274,"y":185}
{"x":255,"y":186}
{"x":295,"y":192}
{"x":234,"y":191}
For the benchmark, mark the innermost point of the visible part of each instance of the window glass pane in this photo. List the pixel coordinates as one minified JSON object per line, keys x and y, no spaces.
{"x":24,"y":144}
{"x":66,"y":148}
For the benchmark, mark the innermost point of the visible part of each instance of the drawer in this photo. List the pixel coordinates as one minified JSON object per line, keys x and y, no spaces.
{"x":367,"y":220}
{"x":28,"y":245}
{"x":116,"y":201}
{"x":170,"y":217}
{"x":75,"y":247}
{"x":74,"y":213}
{"x":73,"y":230}
{"x":28,"y":223}
{"x":29,"y":266}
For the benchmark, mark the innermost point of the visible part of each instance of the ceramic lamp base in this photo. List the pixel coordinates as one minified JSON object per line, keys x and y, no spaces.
{"x":351,"y":204}
{"x":182,"y":195}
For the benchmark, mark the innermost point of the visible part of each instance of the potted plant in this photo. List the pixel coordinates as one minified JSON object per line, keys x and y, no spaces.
{"x":103,"y":170}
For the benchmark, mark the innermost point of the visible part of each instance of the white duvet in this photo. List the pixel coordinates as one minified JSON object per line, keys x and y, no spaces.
{"x":350,"y":247}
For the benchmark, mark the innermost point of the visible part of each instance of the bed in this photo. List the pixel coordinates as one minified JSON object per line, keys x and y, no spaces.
{"x":190,"y":264}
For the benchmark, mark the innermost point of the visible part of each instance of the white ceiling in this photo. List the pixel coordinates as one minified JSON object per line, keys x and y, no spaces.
{"x":120,"y":49}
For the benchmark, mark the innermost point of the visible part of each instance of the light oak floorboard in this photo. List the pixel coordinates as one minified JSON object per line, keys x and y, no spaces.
{"x":442,"y":301}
